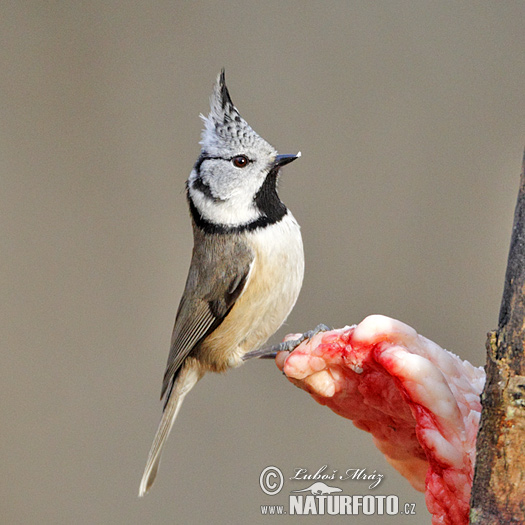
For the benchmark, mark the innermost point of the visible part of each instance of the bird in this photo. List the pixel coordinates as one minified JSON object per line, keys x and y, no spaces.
{"x":247,"y":263}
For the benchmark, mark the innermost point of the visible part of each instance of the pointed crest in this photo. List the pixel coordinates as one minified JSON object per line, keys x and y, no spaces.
{"x":225,"y":131}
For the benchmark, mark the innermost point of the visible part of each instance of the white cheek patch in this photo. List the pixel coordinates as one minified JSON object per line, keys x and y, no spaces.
{"x":237,"y":210}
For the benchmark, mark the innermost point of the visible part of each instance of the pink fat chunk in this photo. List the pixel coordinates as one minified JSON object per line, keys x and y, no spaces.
{"x":420,"y":403}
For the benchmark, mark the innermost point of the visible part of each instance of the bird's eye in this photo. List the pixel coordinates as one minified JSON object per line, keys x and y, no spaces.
{"x":240,"y":161}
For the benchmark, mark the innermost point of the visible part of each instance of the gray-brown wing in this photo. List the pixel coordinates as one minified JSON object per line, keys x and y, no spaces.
{"x":218,"y":274}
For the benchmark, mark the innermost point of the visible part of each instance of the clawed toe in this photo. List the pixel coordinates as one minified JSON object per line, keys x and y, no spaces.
{"x":318,"y":329}
{"x":286,"y":346}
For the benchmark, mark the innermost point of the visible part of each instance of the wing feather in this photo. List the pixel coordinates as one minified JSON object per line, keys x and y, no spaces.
{"x":208,"y":297}
{"x":185,"y":340}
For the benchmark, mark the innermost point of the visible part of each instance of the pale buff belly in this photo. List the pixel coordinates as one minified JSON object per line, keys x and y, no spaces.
{"x":270,"y":294}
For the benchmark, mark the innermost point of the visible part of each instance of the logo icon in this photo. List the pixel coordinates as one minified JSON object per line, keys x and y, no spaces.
{"x":319,"y":489}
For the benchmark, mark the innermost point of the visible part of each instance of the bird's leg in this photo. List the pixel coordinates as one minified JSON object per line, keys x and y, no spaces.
{"x":270,"y":352}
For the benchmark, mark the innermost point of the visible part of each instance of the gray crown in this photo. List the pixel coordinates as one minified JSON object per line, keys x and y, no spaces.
{"x":225,"y":131}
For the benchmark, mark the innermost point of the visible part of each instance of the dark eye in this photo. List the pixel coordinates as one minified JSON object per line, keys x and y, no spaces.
{"x":240,"y":161}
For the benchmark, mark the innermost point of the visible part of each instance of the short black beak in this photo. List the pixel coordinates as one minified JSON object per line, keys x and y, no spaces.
{"x":282,"y":160}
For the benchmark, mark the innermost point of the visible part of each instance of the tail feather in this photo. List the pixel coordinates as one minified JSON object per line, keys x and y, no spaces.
{"x":186,"y":380}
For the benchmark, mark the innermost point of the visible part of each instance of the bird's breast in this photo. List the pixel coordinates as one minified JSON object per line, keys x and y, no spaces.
{"x":269,"y":295}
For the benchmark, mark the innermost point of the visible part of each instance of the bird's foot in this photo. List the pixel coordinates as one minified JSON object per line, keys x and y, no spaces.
{"x":270,"y":352}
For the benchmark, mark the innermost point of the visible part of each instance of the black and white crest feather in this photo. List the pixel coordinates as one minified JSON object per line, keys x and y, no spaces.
{"x":225,"y":130}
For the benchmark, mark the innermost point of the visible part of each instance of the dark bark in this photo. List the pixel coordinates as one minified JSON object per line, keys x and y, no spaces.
{"x":498,"y":490}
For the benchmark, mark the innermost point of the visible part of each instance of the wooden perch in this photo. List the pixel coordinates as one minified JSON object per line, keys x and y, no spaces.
{"x":498,"y":491}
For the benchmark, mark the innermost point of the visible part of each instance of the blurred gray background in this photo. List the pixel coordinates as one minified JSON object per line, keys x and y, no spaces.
{"x":410,"y":118}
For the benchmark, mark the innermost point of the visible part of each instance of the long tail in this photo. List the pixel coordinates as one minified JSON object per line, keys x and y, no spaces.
{"x":186,"y":380}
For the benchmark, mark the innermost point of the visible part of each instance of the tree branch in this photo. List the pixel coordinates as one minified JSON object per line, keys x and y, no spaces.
{"x":498,"y":491}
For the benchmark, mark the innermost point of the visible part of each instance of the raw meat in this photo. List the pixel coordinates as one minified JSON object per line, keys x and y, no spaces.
{"x":420,"y":403}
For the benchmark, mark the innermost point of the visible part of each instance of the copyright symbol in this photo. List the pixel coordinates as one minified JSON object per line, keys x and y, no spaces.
{"x":271,"y":481}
